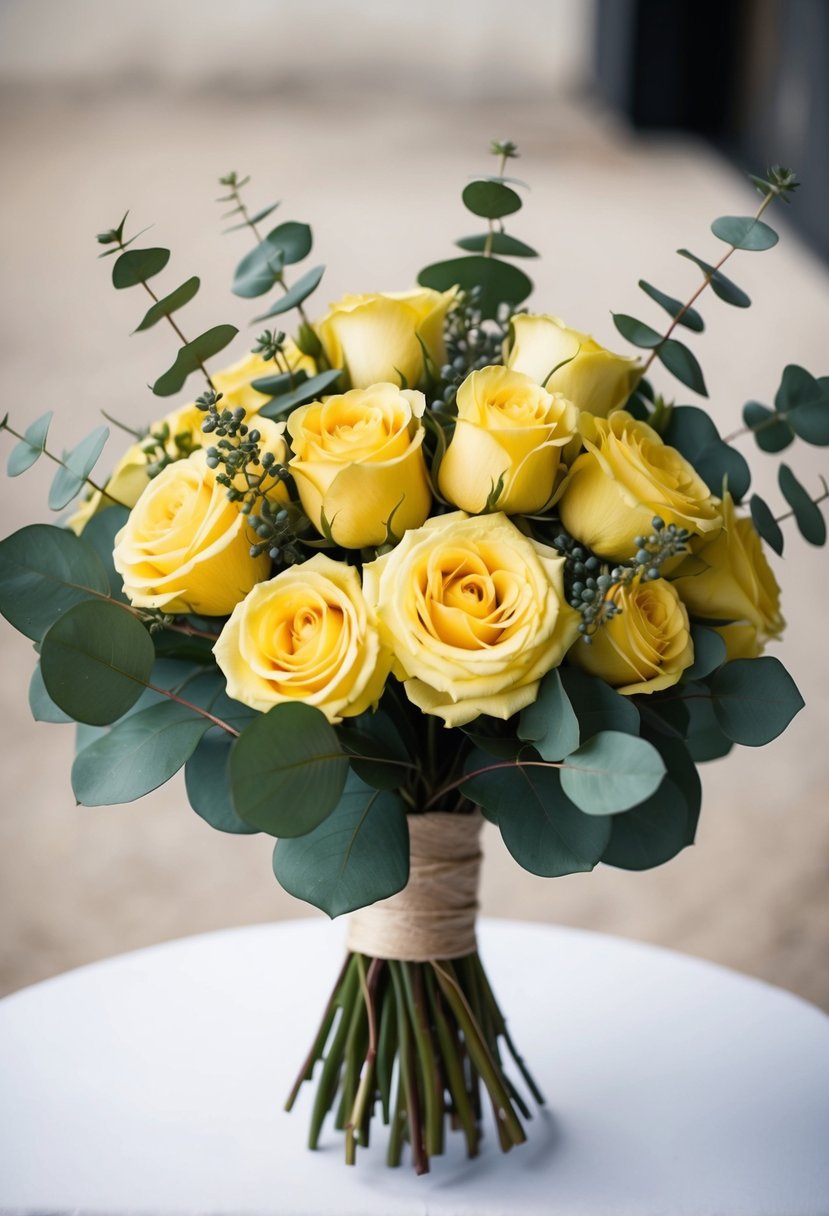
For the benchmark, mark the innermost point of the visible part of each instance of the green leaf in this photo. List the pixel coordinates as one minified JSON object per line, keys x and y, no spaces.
{"x":283,"y":382}
{"x":254,"y":219}
{"x":691,"y":431}
{"x":257,"y":272}
{"x":542,"y":829}
{"x":682,"y":363}
{"x":137,"y":755}
{"x":99,"y":534}
{"x":191,"y":357}
{"x":41,"y":704}
{"x":709,"y":653}
{"x":287,"y":770}
{"x":598,"y":706}
{"x":295,"y":295}
{"x":45,"y":571}
{"x":804,"y":401}
{"x":550,"y":723}
{"x":807,"y":514}
{"x":766,"y":524}
{"x":723,"y":287}
{"x":754,"y":700}
{"x":137,"y":266}
{"x":659,"y":828}
{"x":358,"y":855}
{"x":637,"y":332}
{"x":384,"y":760}
{"x":207,"y":780}
{"x":611,"y":773}
{"x":293,"y":241}
{"x":501,"y":242}
{"x":771,"y":432}
{"x":690,"y":317}
{"x":79,"y":463}
{"x":491,"y":199}
{"x":499,"y":281}
{"x":308,"y":390}
{"x":704,"y":738}
{"x":96,"y":660}
{"x":24,"y":454}
{"x":744,"y":232}
{"x":493,"y":737}
{"x":169,"y":304}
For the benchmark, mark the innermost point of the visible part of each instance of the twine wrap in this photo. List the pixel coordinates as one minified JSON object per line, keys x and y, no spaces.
{"x":433,"y":917}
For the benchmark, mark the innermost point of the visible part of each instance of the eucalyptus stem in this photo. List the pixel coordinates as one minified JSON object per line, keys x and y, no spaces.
{"x":243,"y":211}
{"x":93,"y":485}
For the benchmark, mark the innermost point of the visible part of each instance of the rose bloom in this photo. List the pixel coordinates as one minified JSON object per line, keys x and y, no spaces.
{"x":593,"y":378}
{"x":738,"y":586}
{"x":645,"y":647}
{"x":359,"y":463}
{"x":381,"y":337}
{"x":625,"y":477}
{"x":185,"y":546}
{"x":510,"y":427}
{"x":306,"y":635}
{"x":474,"y":612}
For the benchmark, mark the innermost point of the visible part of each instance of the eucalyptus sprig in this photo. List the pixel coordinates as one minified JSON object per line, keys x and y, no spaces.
{"x":74,"y":466}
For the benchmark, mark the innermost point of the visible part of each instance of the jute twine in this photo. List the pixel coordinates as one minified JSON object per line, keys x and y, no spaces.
{"x":433,"y":917}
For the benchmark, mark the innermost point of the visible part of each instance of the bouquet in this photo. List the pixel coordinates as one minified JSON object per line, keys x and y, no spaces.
{"x":428,"y":558}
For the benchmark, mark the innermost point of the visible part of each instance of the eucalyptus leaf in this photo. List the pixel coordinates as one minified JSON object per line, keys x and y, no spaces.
{"x":499,"y":281}
{"x":636,"y":331}
{"x":137,"y":266}
{"x":99,"y":533}
{"x":709,"y":652}
{"x":169,"y":304}
{"x":41,"y":704}
{"x":690,"y":318}
{"x":258,"y":271}
{"x":651,"y":833}
{"x":295,"y":295}
{"x":682,"y":363}
{"x":692,"y":432}
{"x":358,"y":855}
{"x":744,"y":232}
{"x":287,"y":770}
{"x":192,"y":356}
{"x":550,"y":723}
{"x":308,"y":390}
{"x":137,"y":755}
{"x":207,"y":781}
{"x":45,"y":571}
{"x":804,"y":401}
{"x":807,"y":514}
{"x":754,"y":700}
{"x":282,"y":382}
{"x":611,"y":773}
{"x":598,"y":707}
{"x":77,"y":465}
{"x":542,"y":829}
{"x":96,"y":660}
{"x":24,"y":454}
{"x":771,"y":432}
{"x":722,"y":286}
{"x":499,"y":242}
{"x":491,"y":199}
{"x":377,"y":753}
{"x":704,"y":736}
{"x":765,"y":523}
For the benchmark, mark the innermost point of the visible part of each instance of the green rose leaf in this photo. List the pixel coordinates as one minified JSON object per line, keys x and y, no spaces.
{"x":709,"y":653}
{"x":287,"y":770}
{"x":169,"y":304}
{"x":754,"y":700}
{"x":78,"y":464}
{"x":307,"y":390}
{"x":771,"y":432}
{"x":137,"y":266}
{"x":357,"y":855}
{"x":611,"y":773}
{"x":682,"y":363}
{"x":499,"y":242}
{"x":499,"y":281}
{"x":295,"y":295}
{"x":550,"y":723}
{"x":807,"y":514}
{"x":137,"y":755}
{"x":690,"y":317}
{"x":723,"y":287}
{"x":765,"y":523}
{"x":598,"y":707}
{"x":191,"y":357}
{"x":744,"y":232}
{"x":45,"y":571}
{"x":24,"y":454}
{"x":96,"y":660}
{"x":491,"y":199}
{"x":207,"y":781}
{"x":636,"y":331}
{"x":542,"y":829}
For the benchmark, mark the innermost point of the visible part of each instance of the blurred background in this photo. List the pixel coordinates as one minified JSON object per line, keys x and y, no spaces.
{"x":636,"y":120}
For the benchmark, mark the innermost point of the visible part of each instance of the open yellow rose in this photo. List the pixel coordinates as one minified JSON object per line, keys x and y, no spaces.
{"x":306,"y":635}
{"x":738,"y":586}
{"x":474,"y":612}
{"x":566,"y":361}
{"x":185,"y":546}
{"x":382,"y":337}
{"x":508,"y":428}
{"x":359,"y":464}
{"x":645,"y":647}
{"x":625,"y":478}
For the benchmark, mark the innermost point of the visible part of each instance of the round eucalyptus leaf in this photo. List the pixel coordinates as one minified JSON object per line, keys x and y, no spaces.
{"x":754,"y":700}
{"x":137,"y":265}
{"x":744,"y":232}
{"x":722,"y":286}
{"x":808,"y":515}
{"x":207,"y":781}
{"x":709,"y":653}
{"x":765,"y":523}
{"x":497,"y":242}
{"x":550,"y":723}
{"x":499,"y":282}
{"x":771,"y":432}
{"x":24,"y":454}
{"x":690,"y":318}
{"x":611,"y":773}
{"x":636,"y":331}
{"x":45,"y":571}
{"x":542,"y":829}
{"x":296,"y":294}
{"x":78,"y":464}
{"x":492,"y":200}
{"x":682,"y":363}
{"x":598,"y":707}
{"x":191,"y":357}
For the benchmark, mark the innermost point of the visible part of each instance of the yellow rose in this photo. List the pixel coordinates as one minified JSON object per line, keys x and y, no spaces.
{"x":306,"y":635}
{"x":587,"y":374}
{"x":645,"y":647}
{"x":507,"y":427}
{"x":381,"y":337}
{"x":359,"y":463}
{"x":474,"y":612}
{"x":625,"y":478}
{"x":738,"y":587}
{"x":185,"y":546}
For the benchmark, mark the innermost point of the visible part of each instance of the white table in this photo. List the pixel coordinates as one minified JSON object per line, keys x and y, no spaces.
{"x":154,"y":1082}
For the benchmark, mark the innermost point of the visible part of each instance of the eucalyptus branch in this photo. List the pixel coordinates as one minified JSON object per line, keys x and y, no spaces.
{"x":816,"y":502}
{"x":489,"y":768}
{"x":506,"y":150}
{"x":197,"y":709}
{"x":93,"y":485}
